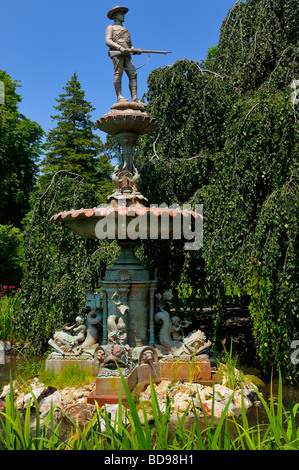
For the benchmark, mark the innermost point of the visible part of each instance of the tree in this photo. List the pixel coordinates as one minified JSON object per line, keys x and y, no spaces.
{"x":20,"y":149}
{"x":12,"y":256}
{"x":228,"y":139}
{"x":259,"y":43}
{"x":72,"y":145}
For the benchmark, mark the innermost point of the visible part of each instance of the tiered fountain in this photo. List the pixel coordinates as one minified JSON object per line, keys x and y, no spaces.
{"x":129,"y":306}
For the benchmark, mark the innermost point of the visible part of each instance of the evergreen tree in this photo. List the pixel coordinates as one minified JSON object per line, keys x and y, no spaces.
{"x":73,"y":146}
{"x":20,"y":149}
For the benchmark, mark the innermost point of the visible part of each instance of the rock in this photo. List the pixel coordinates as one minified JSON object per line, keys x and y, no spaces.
{"x":237,"y":400}
{"x":80,"y":413}
{"x":222,"y":393}
{"x":147,"y":404}
{"x":37,"y":389}
{"x":19,"y":401}
{"x":201,"y":392}
{"x":113,"y":410}
{"x":2,"y":353}
{"x":54,"y":400}
{"x":5,"y":391}
{"x":253,"y":396}
{"x":181,"y":402}
{"x":218,"y":408}
{"x":162,"y":387}
{"x":67,"y":395}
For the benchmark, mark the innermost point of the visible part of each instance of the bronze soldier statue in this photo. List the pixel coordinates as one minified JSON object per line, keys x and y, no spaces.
{"x":118,"y":39}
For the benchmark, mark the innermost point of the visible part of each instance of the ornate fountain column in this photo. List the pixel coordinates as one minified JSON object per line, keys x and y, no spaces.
{"x":127,"y":121}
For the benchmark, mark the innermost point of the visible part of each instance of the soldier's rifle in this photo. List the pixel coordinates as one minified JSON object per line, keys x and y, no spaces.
{"x":136,"y":51}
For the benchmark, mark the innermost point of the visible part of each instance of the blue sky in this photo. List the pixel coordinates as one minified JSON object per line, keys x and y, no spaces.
{"x":43,"y":42}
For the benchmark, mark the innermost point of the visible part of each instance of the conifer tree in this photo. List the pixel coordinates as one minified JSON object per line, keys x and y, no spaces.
{"x":73,"y":146}
{"x":20,"y":148}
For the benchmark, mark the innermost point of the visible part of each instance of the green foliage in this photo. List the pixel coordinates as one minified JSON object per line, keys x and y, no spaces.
{"x":59,"y":266}
{"x":70,"y":376}
{"x":228,"y":139}
{"x":279,"y":432}
{"x":20,"y":148}
{"x":11,"y":255}
{"x":73,"y":145}
{"x":8,"y":306}
{"x":16,"y":432}
{"x":259,"y":43}
{"x":229,"y":374}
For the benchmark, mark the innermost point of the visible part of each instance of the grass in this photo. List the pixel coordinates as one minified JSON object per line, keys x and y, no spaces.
{"x":27,"y":367}
{"x":70,"y":376}
{"x":227,"y":368}
{"x":7,"y":308}
{"x":130,"y":433}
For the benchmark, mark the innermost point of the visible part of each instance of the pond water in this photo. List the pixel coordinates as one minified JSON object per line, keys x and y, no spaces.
{"x":5,"y":371}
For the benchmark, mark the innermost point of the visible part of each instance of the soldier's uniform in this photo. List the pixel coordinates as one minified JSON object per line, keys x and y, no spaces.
{"x":118,"y":36}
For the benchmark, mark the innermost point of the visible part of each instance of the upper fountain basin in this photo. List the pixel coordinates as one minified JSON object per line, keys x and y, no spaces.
{"x":129,"y":222}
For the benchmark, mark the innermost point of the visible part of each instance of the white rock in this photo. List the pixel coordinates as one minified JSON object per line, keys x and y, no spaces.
{"x":45,"y":405}
{"x":2,"y":353}
{"x":36,"y":390}
{"x":5,"y":391}
{"x":19,"y":402}
{"x":218,"y":408}
{"x":181,"y":402}
{"x":222,"y":393}
{"x":112,"y":410}
{"x":237,"y":400}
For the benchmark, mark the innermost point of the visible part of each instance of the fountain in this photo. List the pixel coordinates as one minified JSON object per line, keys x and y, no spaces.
{"x":129,"y":305}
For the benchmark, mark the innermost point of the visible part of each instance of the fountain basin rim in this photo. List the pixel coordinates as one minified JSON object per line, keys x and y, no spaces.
{"x":130,"y":211}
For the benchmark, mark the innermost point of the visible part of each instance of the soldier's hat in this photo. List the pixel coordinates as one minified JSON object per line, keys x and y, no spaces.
{"x":115,"y":9}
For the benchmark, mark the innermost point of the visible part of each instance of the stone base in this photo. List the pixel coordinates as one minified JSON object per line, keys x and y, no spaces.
{"x":109,"y":389}
{"x":56,"y":364}
{"x":125,"y":105}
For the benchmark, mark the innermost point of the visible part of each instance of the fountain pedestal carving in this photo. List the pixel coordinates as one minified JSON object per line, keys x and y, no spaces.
{"x":131,"y":308}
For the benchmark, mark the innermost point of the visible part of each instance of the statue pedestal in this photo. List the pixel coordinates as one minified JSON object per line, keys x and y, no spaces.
{"x":56,"y":362}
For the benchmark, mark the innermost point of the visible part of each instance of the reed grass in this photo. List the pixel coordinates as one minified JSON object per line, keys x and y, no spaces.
{"x":129,"y":432}
{"x":7,"y":309}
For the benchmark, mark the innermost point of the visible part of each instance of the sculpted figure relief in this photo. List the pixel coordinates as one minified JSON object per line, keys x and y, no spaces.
{"x":171,"y":333}
{"x":82,"y":336}
{"x":117,"y":351}
{"x":64,"y":342}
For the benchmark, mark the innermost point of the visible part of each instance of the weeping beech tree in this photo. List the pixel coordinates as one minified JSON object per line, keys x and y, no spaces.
{"x":228,"y":139}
